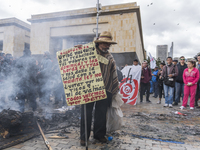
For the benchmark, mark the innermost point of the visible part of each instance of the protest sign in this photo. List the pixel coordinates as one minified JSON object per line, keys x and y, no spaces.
{"x":81,"y":75}
{"x":129,"y":86}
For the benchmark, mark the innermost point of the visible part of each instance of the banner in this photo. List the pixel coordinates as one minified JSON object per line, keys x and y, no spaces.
{"x":152,"y":62}
{"x":129,"y":86}
{"x":81,"y":75}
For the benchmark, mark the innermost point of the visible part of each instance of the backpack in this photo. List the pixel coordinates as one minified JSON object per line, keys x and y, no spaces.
{"x":169,"y":81}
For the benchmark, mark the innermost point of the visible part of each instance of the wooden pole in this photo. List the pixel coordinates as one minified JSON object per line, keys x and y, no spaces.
{"x":45,"y":140}
{"x":86,"y":138}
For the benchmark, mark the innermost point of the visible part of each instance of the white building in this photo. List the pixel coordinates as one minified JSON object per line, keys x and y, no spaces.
{"x":14,"y":36}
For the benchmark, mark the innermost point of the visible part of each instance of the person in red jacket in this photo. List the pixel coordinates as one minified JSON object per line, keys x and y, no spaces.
{"x":145,"y":82}
{"x":190,"y":78}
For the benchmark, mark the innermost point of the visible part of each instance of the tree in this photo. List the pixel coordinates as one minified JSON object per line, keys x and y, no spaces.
{"x":158,"y":62}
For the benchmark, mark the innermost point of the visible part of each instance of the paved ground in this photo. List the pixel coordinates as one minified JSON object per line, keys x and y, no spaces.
{"x":121,"y":139}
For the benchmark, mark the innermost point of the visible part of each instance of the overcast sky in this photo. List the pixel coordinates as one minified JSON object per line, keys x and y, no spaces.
{"x":163,"y":21}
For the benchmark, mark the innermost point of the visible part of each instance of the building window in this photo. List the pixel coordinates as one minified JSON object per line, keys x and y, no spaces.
{"x":26,"y":46}
{"x":1,"y":45}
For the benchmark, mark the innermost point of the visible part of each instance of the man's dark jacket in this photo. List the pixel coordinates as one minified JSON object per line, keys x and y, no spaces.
{"x":181,"y":68}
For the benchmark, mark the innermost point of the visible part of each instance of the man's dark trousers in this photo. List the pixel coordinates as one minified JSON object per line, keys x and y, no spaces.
{"x":155,"y":86}
{"x":179,"y":90}
{"x":99,"y":118}
{"x":197,"y":93}
{"x":144,"y":87}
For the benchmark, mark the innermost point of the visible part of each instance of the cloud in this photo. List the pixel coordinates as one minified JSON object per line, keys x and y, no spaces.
{"x":176,"y":21}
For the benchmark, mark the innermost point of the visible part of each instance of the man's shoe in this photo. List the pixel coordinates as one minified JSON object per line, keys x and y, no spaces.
{"x":192,"y":108}
{"x":159,"y":102}
{"x":82,"y":143}
{"x":141,"y":101}
{"x":102,"y":140}
{"x":175,"y":104}
{"x":170,"y":106}
{"x":166,"y":105}
{"x":182,"y":107}
{"x":148,"y":101}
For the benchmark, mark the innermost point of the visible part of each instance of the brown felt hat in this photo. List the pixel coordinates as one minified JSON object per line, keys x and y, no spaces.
{"x":105,"y":37}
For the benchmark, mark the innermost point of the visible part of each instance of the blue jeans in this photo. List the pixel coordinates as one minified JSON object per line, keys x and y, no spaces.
{"x":155,"y":87}
{"x":168,"y":97}
{"x":179,"y":90}
{"x":151,"y":87}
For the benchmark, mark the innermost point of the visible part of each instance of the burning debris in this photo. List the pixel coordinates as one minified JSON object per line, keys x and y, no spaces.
{"x":16,"y":123}
{"x":17,"y":127}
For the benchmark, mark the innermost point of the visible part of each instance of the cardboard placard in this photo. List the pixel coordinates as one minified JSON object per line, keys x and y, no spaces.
{"x":81,"y":75}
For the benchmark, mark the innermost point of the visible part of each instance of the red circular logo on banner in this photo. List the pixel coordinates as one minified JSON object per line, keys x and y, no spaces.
{"x":129,"y":90}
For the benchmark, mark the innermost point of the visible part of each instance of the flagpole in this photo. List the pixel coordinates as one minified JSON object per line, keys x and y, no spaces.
{"x":86,"y":136}
{"x":97,"y":19}
{"x":85,"y":115}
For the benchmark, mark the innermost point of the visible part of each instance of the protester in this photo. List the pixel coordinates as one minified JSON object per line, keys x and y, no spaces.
{"x":190,"y":78}
{"x":175,"y":62}
{"x":58,"y":88}
{"x":151,"y":87}
{"x":119,"y":74}
{"x":198,"y":84}
{"x":26,"y":71}
{"x":44,"y":78}
{"x":160,"y":83}
{"x":135,"y":62}
{"x":179,"y":85}
{"x":169,"y":73}
{"x":155,"y":81}
{"x":145,"y":82}
{"x":111,"y":83}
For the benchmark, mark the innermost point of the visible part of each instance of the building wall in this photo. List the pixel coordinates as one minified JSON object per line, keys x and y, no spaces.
{"x":13,"y":39}
{"x":162,"y":52}
{"x":21,"y":37}
{"x":124,"y":28}
{"x":139,"y":51}
{"x":8,"y":38}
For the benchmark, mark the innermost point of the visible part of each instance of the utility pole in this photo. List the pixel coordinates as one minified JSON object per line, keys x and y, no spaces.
{"x":98,"y":12}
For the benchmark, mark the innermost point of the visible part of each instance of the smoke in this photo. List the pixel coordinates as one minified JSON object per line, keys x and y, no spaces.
{"x":7,"y":88}
{"x":7,"y":93}
{"x":23,"y":81}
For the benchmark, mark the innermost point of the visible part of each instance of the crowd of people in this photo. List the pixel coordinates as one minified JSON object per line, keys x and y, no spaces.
{"x":25,"y":79}
{"x":173,"y":81}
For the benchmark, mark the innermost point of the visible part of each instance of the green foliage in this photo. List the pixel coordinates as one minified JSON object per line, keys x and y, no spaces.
{"x":158,"y":61}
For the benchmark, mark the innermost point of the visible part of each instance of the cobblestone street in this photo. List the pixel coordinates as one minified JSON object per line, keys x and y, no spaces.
{"x":123,"y":139}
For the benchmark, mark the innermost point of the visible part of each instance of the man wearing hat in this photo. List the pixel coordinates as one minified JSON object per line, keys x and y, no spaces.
{"x":175,"y":62}
{"x":111,"y":83}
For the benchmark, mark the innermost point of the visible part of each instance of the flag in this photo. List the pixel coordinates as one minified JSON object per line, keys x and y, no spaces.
{"x":152,"y":62}
{"x":129,"y":86}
